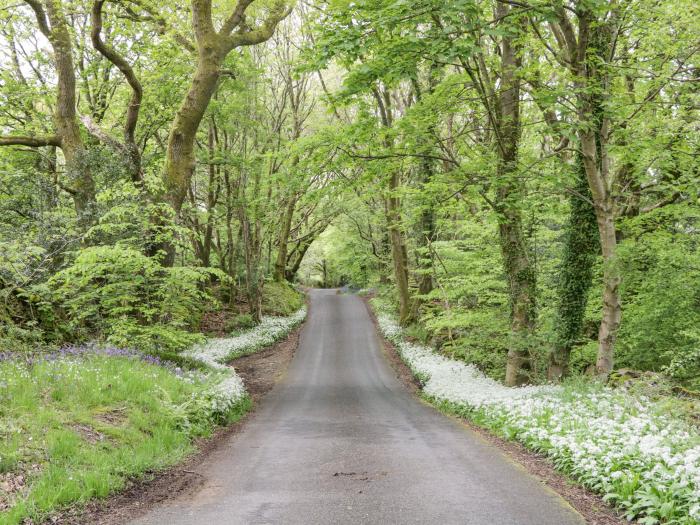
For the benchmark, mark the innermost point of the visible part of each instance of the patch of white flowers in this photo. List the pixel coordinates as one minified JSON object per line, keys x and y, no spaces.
{"x":226,"y":393}
{"x":218,"y":350}
{"x":622,"y":446}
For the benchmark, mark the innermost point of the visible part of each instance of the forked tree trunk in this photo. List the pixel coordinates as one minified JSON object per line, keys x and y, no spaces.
{"x":66,"y":121}
{"x":51,"y":20}
{"x":596,"y":40}
{"x":212,"y":48}
{"x":605,"y":216}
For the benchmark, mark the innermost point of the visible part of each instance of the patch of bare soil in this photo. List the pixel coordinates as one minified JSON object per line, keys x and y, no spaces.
{"x":217,"y":323}
{"x":88,"y":433}
{"x":587,"y":503}
{"x":114,"y":417}
{"x":260,"y":372}
{"x":13,"y":483}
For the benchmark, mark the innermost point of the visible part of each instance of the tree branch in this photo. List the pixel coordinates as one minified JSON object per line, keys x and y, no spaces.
{"x":256,"y":36}
{"x":96,"y":131}
{"x":40,"y":16}
{"x":34,"y":142}
{"x":110,"y":54}
{"x":237,"y":16}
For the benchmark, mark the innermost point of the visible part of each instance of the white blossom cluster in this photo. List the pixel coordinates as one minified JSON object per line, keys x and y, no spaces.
{"x":217,"y":351}
{"x":221,"y":398}
{"x":229,"y":391}
{"x":622,"y":446}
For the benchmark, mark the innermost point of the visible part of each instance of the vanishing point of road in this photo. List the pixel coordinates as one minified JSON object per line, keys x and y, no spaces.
{"x":340,"y":440}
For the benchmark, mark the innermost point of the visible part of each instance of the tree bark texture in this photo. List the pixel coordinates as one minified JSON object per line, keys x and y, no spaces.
{"x":517,"y":259}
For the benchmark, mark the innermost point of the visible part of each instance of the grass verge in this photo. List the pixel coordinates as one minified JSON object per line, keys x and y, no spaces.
{"x":73,"y":428}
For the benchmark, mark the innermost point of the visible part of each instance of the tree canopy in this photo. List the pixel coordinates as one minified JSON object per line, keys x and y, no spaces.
{"x":520,"y":178}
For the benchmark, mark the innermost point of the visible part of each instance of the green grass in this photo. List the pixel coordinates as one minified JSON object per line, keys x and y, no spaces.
{"x":80,"y":428}
{"x":281,"y":299}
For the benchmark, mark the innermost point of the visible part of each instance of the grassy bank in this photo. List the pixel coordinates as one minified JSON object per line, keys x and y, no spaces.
{"x":78,"y":424}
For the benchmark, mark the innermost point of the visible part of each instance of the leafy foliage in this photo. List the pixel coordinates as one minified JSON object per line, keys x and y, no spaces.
{"x":129,"y":300}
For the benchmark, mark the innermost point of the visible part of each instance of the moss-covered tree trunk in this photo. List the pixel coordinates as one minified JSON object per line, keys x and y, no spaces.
{"x":180,"y":158}
{"x":522,"y":286}
{"x":280,"y":273}
{"x":212,"y":49}
{"x":51,"y":19}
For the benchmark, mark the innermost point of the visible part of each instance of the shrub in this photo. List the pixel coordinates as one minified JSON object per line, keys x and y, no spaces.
{"x":125,"y":298}
{"x":281,"y":299}
{"x":239,"y":322}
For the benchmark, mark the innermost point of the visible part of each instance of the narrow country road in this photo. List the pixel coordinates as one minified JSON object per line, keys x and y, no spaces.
{"x":341,"y":441}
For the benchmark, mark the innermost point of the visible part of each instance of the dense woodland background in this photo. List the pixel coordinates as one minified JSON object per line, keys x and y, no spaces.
{"x":520,"y":177}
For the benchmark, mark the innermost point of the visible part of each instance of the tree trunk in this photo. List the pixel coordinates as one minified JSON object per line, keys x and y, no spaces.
{"x":280,"y":273}
{"x":180,"y":158}
{"x":253,"y":281}
{"x":131,"y":149}
{"x":581,"y":247}
{"x":293,"y":268}
{"x":593,"y":86}
{"x":522,"y":293}
{"x":598,"y":174}
{"x":212,"y":48}
{"x":66,"y":121}
{"x":51,"y":20}
{"x":605,"y":216}
{"x":427,"y":234}
{"x":517,"y":263}
{"x":612,"y":306}
{"x":384,"y":266}
{"x":398,"y":251}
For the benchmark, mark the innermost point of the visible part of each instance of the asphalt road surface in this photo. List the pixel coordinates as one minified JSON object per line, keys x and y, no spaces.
{"x":341,"y":441}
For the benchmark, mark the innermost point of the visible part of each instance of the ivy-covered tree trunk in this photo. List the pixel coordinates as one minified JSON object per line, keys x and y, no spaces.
{"x":581,"y":248}
{"x":522,"y":286}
